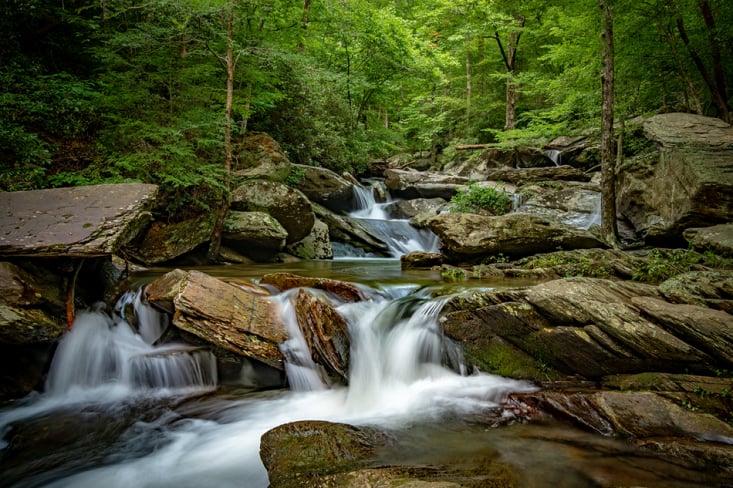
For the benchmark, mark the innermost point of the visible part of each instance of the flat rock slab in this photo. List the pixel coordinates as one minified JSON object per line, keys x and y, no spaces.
{"x":84,"y":221}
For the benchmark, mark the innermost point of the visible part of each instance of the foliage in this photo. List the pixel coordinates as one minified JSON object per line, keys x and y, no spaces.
{"x":476,"y":198}
{"x":453,"y":274}
{"x":661,"y":264}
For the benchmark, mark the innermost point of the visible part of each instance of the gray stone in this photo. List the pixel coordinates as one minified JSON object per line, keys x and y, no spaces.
{"x":83,"y":221}
{"x":257,"y":235}
{"x":316,"y":245}
{"x":323,"y":186}
{"x":163,"y":242}
{"x":717,"y":238}
{"x":259,"y":156}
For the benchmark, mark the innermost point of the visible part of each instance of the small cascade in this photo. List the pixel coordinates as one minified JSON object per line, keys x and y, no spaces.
{"x":398,"y":235}
{"x":104,"y":350}
{"x":555,"y":155}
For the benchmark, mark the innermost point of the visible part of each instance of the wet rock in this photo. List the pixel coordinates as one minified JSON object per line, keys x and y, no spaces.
{"x":575,"y":205}
{"x":257,"y":235}
{"x":687,"y":183}
{"x":718,"y":238}
{"x":530,"y":175}
{"x":470,"y":237}
{"x":323,"y":186}
{"x":316,"y":245}
{"x":287,"y":205}
{"x":326,"y":333}
{"x":286,"y":281}
{"x":259,"y":156}
{"x":302,"y":452}
{"x":420,"y":259}
{"x":221,"y":314}
{"x":164,"y":242}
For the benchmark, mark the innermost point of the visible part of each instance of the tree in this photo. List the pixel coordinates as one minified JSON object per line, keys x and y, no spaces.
{"x":608,"y":172}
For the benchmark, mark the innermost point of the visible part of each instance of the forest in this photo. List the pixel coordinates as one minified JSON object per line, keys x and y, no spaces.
{"x":162,"y":91}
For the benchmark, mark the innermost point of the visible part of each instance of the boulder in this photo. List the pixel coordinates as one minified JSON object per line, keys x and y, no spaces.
{"x":304,"y":451}
{"x":347,"y":292}
{"x":407,"y":209}
{"x":287,"y":205}
{"x":257,"y":235}
{"x":470,"y":237}
{"x":259,"y":156}
{"x":325,"y":187}
{"x":712,"y":289}
{"x":81,"y":221}
{"x":422,"y":184}
{"x":420,"y":259}
{"x":221,"y":314}
{"x":326,"y":333}
{"x":687,"y":183}
{"x":577,"y":205}
{"x":316,"y":245}
{"x":163,"y":242}
{"x":717,"y":238}
{"x":580,"y":152}
{"x":350,"y":231}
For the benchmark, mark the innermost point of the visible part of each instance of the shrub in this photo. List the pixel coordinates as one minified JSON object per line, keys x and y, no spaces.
{"x":477,"y":199}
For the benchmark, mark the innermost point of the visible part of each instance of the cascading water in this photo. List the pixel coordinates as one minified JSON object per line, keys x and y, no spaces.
{"x":555,"y":155}
{"x":402,"y":371}
{"x":399,"y":236}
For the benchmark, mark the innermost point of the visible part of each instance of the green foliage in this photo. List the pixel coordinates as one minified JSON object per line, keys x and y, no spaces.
{"x":662,"y":264}
{"x":453,"y":274}
{"x":476,"y":198}
{"x":569,"y":264}
{"x":296,"y":175}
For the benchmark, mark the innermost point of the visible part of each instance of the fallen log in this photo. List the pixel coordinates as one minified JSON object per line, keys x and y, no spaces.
{"x":471,"y":147}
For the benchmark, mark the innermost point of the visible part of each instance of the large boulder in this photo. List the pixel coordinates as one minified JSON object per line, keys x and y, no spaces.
{"x":259,"y":156}
{"x":287,"y":205}
{"x":575,"y":204}
{"x":350,"y":231}
{"x":323,"y":186}
{"x":163,"y":241}
{"x":687,"y":183}
{"x":316,"y":245}
{"x":407,"y":209}
{"x":422,"y":184}
{"x":471,"y":237}
{"x":221,"y":314}
{"x":257,"y":235}
{"x":713,"y":289}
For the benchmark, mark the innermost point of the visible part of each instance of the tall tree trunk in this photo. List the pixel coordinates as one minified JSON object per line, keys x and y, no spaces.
{"x":469,"y":87}
{"x":230,"y":64}
{"x":609,"y":228}
{"x":304,"y":24}
{"x":512,"y":97}
{"x":509,"y":55}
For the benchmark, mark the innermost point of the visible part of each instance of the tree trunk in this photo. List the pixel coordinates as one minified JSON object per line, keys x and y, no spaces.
{"x":509,"y":55}
{"x":304,"y":24}
{"x":512,"y":97}
{"x":469,"y":87}
{"x":230,"y":63}
{"x":609,"y":228}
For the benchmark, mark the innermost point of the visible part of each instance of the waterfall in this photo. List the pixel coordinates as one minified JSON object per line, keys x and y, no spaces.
{"x":555,"y":155}
{"x":104,"y":350}
{"x":398,"y":235}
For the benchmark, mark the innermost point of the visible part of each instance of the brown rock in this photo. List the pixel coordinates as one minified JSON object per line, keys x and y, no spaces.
{"x":286,"y":281}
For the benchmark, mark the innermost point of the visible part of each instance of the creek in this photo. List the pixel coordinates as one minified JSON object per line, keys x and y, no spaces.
{"x":121,"y":410}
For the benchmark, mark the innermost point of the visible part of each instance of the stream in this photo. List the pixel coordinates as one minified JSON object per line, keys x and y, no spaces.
{"x":121,"y":410}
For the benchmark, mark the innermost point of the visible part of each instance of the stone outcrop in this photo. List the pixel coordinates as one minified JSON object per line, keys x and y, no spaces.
{"x":287,"y":205}
{"x":687,"y":182}
{"x":350,"y":231}
{"x":593,"y":327}
{"x":407,"y":209}
{"x":323,"y":186}
{"x":164,"y":242}
{"x":221,"y":314}
{"x":470,"y":237}
{"x":575,"y":204}
{"x":82,"y":221}
{"x":256,"y":235}
{"x":423,"y":184}
{"x":260,"y":157}
{"x":712,"y":289}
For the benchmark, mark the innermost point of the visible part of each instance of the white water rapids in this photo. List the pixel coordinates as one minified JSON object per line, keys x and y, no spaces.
{"x":397,"y":377}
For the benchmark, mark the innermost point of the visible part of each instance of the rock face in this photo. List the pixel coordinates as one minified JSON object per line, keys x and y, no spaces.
{"x":163,"y":242}
{"x":577,"y":205}
{"x":470,"y":237}
{"x":260,"y":157}
{"x":83,"y":221}
{"x":407,"y":209}
{"x":594,"y":327}
{"x":325,"y":187}
{"x":688,"y":183}
{"x":347,"y":292}
{"x":221,"y":314}
{"x":287,"y":205}
{"x":257,"y":235}
{"x":530,"y":175}
{"x":351,"y":231}
{"x":316,"y":245}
